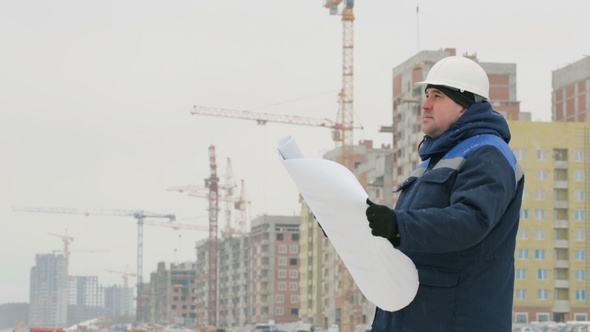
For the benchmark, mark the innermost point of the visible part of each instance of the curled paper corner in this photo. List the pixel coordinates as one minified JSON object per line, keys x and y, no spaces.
{"x":288,"y":148}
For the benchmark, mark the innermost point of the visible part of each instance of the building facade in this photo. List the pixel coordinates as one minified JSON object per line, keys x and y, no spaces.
{"x":48,"y":296}
{"x":570,"y":99}
{"x":552,"y":249}
{"x":86,"y":299}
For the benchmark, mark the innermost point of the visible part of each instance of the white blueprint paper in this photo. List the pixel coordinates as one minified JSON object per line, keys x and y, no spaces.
{"x":386,"y":276}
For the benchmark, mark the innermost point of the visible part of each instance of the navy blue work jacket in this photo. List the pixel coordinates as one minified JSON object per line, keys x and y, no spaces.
{"x":458,"y":216}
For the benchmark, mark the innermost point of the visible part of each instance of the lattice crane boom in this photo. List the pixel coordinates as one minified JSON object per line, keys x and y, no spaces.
{"x":263,"y":118}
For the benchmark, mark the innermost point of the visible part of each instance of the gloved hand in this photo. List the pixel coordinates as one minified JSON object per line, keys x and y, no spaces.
{"x":382,"y":220}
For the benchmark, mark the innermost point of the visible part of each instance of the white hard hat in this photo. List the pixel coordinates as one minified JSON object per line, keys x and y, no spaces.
{"x":460,"y":73}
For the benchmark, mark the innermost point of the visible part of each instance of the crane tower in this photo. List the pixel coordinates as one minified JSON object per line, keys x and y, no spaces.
{"x":213,"y":184}
{"x":346,"y":94}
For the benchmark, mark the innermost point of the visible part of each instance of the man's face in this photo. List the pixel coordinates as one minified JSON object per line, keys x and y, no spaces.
{"x":439,"y":112}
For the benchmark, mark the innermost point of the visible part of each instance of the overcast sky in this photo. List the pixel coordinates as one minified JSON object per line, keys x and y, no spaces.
{"x":95,"y":102}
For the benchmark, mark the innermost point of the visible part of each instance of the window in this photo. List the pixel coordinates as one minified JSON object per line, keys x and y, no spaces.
{"x":581,"y":317}
{"x":580,"y":255}
{"x":293,"y":285}
{"x":293,"y":249}
{"x":282,"y":249}
{"x":579,"y":156}
{"x":292,"y":261}
{"x":580,"y":235}
{"x":540,"y":254}
{"x":542,"y":317}
{"x":580,"y":275}
{"x":282,"y":261}
{"x":523,"y":234}
{"x":523,"y":253}
{"x":542,"y":174}
{"x":520,"y":274}
{"x":295,"y":311}
{"x":282,"y":273}
{"x":580,"y":195}
{"x":521,"y":294}
{"x":520,"y":154}
{"x":295,"y":236}
{"x":279,"y":311}
{"x":542,"y":154}
{"x":579,"y":175}
{"x":580,"y":215}
{"x":539,"y":214}
{"x":282,"y":286}
{"x":293,"y":274}
{"x":524,"y":213}
{"x":542,"y":294}
{"x":280,"y":236}
{"x":279,"y":298}
{"x":521,"y":317}
{"x":294,"y":298}
{"x":540,"y":194}
{"x":541,"y":234}
{"x":581,"y":295}
{"x":542,"y":274}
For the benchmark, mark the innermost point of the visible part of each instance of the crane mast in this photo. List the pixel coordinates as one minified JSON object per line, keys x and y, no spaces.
{"x":346,"y":114}
{"x":213,"y":242}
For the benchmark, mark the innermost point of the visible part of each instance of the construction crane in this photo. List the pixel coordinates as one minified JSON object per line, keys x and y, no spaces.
{"x":213,"y":185}
{"x":226,"y":195}
{"x":139,"y":215}
{"x":338,"y":132}
{"x":346,"y":94}
{"x":66,"y":240}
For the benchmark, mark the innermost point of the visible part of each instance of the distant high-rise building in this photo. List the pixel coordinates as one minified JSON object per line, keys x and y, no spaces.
{"x":118,"y":301}
{"x":86,"y":299}
{"x":170,"y":295}
{"x":48,"y":296}
{"x":570,"y":100}
{"x":258,"y":277}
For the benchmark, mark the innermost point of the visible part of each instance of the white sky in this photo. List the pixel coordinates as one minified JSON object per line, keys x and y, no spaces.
{"x":95,"y":102}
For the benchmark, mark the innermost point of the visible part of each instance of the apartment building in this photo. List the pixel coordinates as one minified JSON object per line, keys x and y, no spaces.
{"x":48,"y":296}
{"x":570,"y":99}
{"x":86,"y":299}
{"x":552,"y":281}
{"x":118,"y":301}
{"x":170,"y":295}
{"x":258,"y":277}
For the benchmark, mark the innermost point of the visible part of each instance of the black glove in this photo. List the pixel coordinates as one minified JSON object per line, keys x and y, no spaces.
{"x":381,"y":220}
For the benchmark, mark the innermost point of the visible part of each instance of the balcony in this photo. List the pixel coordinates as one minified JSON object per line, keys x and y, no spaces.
{"x":560,"y":283}
{"x":562,"y":264}
{"x":560,"y":164}
{"x":564,"y":244}
{"x":560,"y":184}
{"x":560,"y":204}
{"x":560,"y":223}
{"x":561,"y":306}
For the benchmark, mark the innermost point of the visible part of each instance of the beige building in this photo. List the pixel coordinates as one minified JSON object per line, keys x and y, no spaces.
{"x":552,"y":281}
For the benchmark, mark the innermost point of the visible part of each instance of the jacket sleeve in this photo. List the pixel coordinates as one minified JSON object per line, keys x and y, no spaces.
{"x":483,"y":189}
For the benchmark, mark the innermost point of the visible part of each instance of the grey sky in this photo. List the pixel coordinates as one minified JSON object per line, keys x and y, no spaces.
{"x":95,"y":101}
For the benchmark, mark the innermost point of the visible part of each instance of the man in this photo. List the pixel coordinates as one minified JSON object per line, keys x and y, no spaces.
{"x":457,"y":216}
